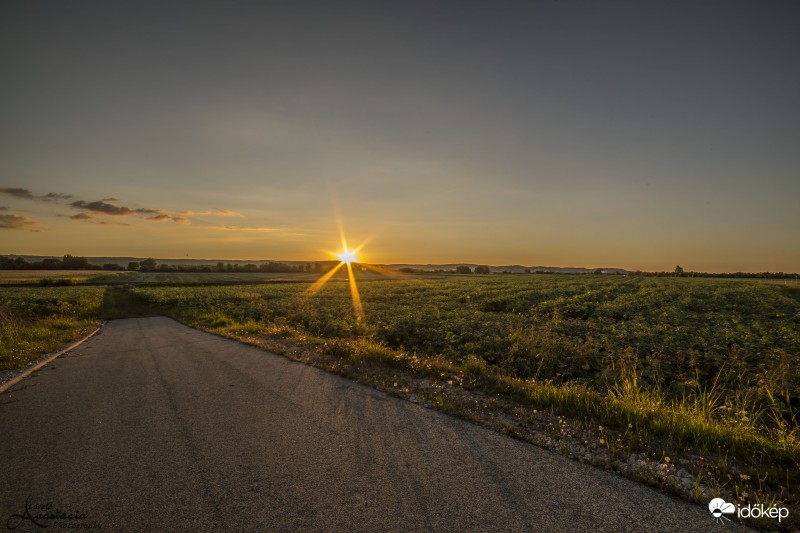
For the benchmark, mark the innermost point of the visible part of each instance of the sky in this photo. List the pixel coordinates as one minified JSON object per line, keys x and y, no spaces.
{"x":635,"y":134}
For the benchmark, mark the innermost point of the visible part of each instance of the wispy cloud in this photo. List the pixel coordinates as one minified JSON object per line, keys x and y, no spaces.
{"x":114,"y":210}
{"x":16,"y":222}
{"x":16,"y":192}
{"x":226,"y":213}
{"x":92,"y":219}
{"x":166,"y":218}
{"x":103,"y":207}
{"x":215,"y":211}
{"x":242,"y":228}
{"x":25,"y":194}
{"x":107,"y":223}
{"x":148,"y":211}
{"x":54,"y":196}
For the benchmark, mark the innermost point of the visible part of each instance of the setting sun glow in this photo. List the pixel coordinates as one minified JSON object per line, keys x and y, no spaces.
{"x":346,"y":258}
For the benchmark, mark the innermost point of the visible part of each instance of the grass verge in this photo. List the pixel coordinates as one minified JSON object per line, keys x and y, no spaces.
{"x":36,"y":320}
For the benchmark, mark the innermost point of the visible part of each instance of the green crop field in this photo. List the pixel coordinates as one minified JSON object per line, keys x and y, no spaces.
{"x":679,"y":334}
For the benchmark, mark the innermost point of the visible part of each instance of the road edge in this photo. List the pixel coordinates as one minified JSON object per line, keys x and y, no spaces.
{"x":19,"y":377}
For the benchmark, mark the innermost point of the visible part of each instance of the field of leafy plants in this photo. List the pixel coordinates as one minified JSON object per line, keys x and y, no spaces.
{"x":734,"y":344}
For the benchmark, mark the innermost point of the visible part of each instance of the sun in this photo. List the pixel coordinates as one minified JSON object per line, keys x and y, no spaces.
{"x":347,"y":256}
{"x":346,"y":259}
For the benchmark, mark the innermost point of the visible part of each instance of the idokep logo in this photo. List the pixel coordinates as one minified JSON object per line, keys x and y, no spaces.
{"x":720,"y":507}
{"x":762,"y":511}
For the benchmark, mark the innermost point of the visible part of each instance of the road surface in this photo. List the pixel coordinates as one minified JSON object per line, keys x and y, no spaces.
{"x":154,"y":426}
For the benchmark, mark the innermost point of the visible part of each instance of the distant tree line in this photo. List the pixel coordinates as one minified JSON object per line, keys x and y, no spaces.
{"x":71,"y":262}
{"x":461,"y":269}
{"x":679,"y":272}
{"x":150,"y":265}
{"x":68,"y":262}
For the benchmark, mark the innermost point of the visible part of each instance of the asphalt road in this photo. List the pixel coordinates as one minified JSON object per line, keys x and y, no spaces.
{"x":153,"y":426}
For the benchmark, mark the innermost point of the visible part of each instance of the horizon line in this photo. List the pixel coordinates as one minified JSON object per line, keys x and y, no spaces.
{"x":406,"y":263}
